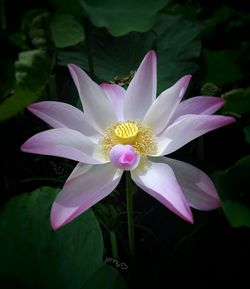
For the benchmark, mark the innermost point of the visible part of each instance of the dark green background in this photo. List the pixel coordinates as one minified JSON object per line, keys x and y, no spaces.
{"x":108,"y":39}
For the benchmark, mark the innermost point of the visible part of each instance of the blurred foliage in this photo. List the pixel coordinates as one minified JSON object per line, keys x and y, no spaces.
{"x":33,"y":67}
{"x":66,"y":30}
{"x":177,"y":50}
{"x":247,"y":133}
{"x":119,"y":17}
{"x":237,"y":101}
{"x":47,"y":259}
{"x":221,"y":66}
{"x":233,"y":187}
{"x":28,"y":87}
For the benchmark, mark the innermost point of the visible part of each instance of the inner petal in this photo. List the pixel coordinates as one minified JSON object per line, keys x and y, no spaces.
{"x":124,"y":157}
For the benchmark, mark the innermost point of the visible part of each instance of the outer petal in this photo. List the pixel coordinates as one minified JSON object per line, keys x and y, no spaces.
{"x":141,"y":91}
{"x":82,"y":190}
{"x":161,"y":110}
{"x":116,"y":95}
{"x":199,"y":190}
{"x":64,"y":142}
{"x":60,"y":114}
{"x":159,"y":181}
{"x":198,"y":105}
{"x":187,"y":128}
{"x":96,"y":106}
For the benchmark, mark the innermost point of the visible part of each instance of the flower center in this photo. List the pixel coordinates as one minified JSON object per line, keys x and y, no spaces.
{"x":135,"y":134}
{"x":126,"y":132}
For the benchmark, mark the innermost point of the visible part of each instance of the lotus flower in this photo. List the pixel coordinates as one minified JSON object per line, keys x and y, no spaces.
{"x":128,"y":130}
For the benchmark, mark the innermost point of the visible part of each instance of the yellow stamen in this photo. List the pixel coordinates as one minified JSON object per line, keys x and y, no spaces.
{"x":139,"y":136}
{"x":126,"y":132}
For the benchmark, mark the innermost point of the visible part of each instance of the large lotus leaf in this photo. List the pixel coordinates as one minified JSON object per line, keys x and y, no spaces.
{"x":106,"y":277}
{"x":117,"y":16}
{"x":174,"y":38}
{"x":32,"y":255}
{"x":122,"y":17}
{"x":178,"y":47}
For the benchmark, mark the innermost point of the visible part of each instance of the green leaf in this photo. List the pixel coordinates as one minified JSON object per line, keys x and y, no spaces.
{"x":176,"y":41}
{"x":237,"y":101}
{"x":32,"y":255}
{"x":66,"y":30}
{"x":222,"y":67}
{"x":32,"y":74}
{"x":112,"y":57}
{"x":178,"y":46}
{"x":72,"y":6}
{"x":106,"y":278}
{"x":35,"y":256}
{"x":117,"y":16}
{"x":237,"y":214}
{"x":122,"y":17}
{"x":247,"y":133}
{"x":233,"y":187}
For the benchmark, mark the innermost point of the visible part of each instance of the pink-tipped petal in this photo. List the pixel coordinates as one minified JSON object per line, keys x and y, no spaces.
{"x":116,"y":95}
{"x":159,"y":181}
{"x":197,"y":187}
{"x":186,"y":128}
{"x":124,"y":157}
{"x":198,"y":105}
{"x":141,"y":91}
{"x":158,"y":115}
{"x":60,"y":114}
{"x":83,"y":190}
{"x":66,"y":143}
{"x":97,"y":108}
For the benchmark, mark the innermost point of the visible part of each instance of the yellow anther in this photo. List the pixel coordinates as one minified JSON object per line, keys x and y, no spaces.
{"x":139,"y":136}
{"x":126,"y":132}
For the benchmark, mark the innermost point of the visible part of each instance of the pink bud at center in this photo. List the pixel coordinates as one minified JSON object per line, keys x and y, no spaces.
{"x":124,"y":157}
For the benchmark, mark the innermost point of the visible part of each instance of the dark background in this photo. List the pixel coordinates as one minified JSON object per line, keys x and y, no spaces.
{"x":170,"y":253}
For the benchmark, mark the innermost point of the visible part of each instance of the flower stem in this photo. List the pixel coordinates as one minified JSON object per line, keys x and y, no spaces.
{"x":130,"y":218}
{"x":113,"y":243}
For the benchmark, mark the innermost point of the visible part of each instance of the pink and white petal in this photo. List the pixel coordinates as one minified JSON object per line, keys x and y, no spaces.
{"x":66,"y":143}
{"x":83,"y":191}
{"x":80,"y":169}
{"x":197,"y":187}
{"x":96,"y":106}
{"x":158,"y":115}
{"x":141,"y":91}
{"x":159,"y":181}
{"x":116,"y":95}
{"x":198,"y":105}
{"x":186,"y":128}
{"x":60,"y":114}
